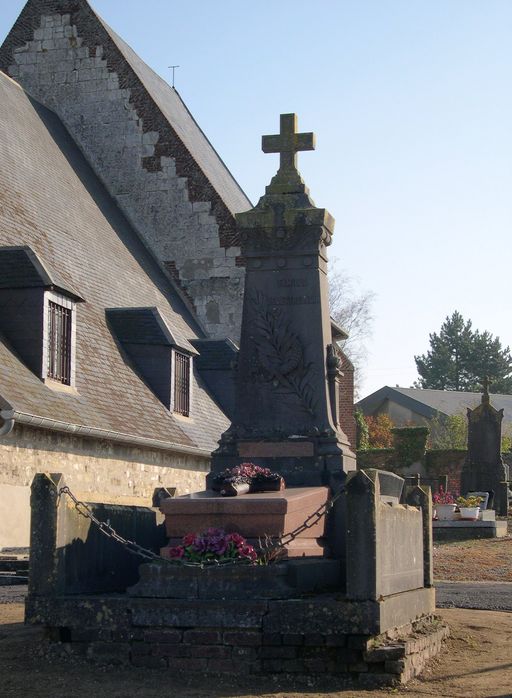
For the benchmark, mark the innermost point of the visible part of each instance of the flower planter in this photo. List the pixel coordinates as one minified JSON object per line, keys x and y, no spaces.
{"x":445,"y":512}
{"x":469,"y":513}
{"x":231,"y":489}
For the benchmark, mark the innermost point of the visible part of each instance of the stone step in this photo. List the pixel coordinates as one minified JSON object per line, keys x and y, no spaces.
{"x":12,"y":578}
{"x":13,"y":564}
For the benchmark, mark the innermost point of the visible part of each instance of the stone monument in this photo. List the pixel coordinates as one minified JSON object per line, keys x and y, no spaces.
{"x":345,"y":594}
{"x":484,"y":469}
{"x":286,"y":384}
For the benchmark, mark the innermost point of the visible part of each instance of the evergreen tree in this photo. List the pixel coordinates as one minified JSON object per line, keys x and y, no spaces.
{"x":460,"y":357}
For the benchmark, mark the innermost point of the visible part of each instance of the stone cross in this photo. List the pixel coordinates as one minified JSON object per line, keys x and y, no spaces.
{"x":486,"y":384}
{"x":288,"y":142}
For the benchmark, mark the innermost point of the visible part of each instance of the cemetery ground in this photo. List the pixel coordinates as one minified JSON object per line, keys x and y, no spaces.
{"x":477,"y":660}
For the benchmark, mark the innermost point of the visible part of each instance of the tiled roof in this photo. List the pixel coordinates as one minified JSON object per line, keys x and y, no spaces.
{"x":51,"y":201}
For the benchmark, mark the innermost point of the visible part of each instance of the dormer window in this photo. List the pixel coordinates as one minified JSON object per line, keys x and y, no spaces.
{"x":181,"y":383}
{"x":59,"y":340}
{"x":162,"y":359}
{"x":38,"y":315}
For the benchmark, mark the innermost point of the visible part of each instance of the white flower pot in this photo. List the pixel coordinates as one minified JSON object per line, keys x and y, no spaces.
{"x":445,"y":512}
{"x":469,"y":513}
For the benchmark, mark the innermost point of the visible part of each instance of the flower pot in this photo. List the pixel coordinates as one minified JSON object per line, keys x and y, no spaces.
{"x":268,"y":485}
{"x":469,"y":513}
{"x":445,"y":512}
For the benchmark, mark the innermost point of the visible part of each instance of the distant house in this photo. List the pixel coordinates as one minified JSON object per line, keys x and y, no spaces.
{"x":415,"y":406}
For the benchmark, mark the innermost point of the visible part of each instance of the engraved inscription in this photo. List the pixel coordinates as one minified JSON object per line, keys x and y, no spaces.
{"x":265,"y":449}
{"x":292,"y":283}
{"x":293,"y":300}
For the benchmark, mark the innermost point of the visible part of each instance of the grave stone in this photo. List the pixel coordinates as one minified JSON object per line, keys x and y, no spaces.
{"x":484,"y":469}
{"x":286,"y":383}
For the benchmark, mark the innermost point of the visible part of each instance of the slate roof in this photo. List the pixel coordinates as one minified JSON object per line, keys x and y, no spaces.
{"x":427,"y":403}
{"x":208,"y":177}
{"x":51,"y":201}
{"x":21,"y":268}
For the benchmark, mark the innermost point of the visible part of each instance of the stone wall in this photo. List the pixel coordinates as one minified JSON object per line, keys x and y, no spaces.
{"x":313,"y":637}
{"x":98,"y":470}
{"x":72,"y":65}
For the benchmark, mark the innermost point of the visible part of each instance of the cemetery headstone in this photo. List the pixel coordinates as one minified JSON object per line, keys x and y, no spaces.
{"x":484,"y":469}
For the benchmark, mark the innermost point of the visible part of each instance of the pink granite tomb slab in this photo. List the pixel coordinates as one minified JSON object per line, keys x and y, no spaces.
{"x":255,"y":516}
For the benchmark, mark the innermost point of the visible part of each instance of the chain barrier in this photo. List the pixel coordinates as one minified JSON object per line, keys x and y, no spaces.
{"x":271,"y":547}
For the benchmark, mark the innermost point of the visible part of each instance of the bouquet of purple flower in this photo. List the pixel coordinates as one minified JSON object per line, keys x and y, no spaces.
{"x":255,"y":476}
{"x":213,"y":545}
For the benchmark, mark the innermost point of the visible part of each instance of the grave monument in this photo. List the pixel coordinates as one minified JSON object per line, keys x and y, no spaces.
{"x":484,"y":469}
{"x":286,"y":404}
{"x":351,"y":587}
{"x":286,"y":388}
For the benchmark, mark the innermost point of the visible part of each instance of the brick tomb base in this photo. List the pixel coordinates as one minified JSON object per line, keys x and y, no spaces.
{"x":364,"y":641}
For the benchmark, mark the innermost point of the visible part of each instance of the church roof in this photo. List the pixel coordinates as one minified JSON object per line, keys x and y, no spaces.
{"x":52,"y":202}
{"x":208,"y":177}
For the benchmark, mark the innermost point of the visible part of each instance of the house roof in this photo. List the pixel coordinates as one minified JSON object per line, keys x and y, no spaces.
{"x":52,"y":202}
{"x":428,"y":403}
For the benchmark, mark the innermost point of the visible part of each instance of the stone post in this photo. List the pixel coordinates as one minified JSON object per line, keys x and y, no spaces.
{"x":421,"y":497}
{"x":363,"y":579}
{"x":44,"y":523}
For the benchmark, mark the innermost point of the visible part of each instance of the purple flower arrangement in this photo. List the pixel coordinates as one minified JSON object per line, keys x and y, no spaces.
{"x":246,"y":473}
{"x":213,"y":545}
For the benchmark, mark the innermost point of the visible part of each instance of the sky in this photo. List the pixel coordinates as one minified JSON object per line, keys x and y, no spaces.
{"x":411,"y":105}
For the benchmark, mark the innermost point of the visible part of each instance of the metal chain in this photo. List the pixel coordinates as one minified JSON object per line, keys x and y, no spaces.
{"x":136,"y":549}
{"x":106,"y":528}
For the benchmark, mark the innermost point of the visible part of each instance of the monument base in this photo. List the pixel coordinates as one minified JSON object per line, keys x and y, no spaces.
{"x":366,"y":642}
{"x":302,"y":462}
{"x":466,"y":530}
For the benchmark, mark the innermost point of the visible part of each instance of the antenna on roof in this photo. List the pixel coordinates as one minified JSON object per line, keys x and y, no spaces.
{"x":173,"y":68}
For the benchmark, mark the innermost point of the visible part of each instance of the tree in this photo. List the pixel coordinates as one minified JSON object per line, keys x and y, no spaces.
{"x":460,"y":357}
{"x":362,"y":433}
{"x":352,"y":309}
{"x":379,"y":431}
{"x":447,"y":432}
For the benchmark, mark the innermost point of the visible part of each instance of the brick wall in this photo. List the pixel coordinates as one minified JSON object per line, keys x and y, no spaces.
{"x":347,"y":421}
{"x":71,"y":64}
{"x":446,"y":462}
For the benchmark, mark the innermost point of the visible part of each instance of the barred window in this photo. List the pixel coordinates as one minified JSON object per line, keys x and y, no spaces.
{"x":181,"y":384}
{"x":59,"y":342}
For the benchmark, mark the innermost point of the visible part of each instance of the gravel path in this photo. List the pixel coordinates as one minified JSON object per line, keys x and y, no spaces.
{"x":13,"y":594}
{"x":486,"y":596}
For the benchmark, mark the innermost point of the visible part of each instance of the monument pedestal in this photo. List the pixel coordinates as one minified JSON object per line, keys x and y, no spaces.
{"x":259,"y":516}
